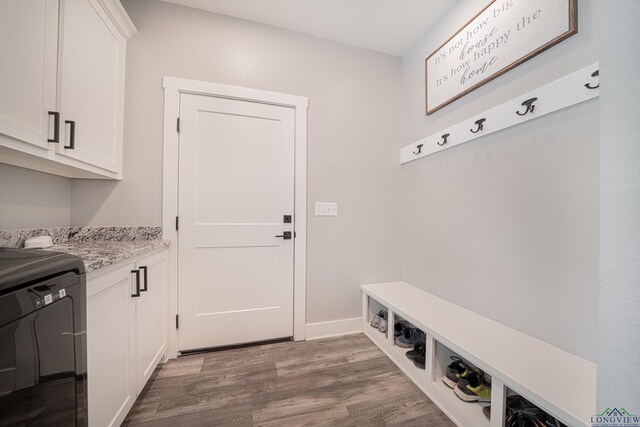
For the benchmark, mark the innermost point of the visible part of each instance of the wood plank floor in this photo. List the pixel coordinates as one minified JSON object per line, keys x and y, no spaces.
{"x":345,"y":381}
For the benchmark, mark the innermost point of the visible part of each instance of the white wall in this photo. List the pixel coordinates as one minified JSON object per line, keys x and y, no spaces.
{"x":354,"y":137}
{"x":30,"y":199}
{"x":507,"y":225}
{"x":619,"y":341}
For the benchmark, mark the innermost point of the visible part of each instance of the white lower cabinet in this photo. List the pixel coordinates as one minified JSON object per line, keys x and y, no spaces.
{"x":127,"y":320}
{"x":151,"y":317}
{"x":110,"y":348}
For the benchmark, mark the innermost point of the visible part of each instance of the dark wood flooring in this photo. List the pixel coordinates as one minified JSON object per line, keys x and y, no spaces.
{"x":345,"y":381}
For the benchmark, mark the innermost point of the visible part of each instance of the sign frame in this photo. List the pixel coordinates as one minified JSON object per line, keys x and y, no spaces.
{"x":572,"y":28}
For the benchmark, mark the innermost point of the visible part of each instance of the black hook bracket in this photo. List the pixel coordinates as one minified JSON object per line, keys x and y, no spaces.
{"x":595,"y":74}
{"x":529,"y":106}
{"x":444,"y":139}
{"x":480,"y":124}
{"x":419,"y":147}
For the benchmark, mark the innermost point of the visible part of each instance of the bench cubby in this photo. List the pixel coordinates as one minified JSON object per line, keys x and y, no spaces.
{"x":560,"y":383}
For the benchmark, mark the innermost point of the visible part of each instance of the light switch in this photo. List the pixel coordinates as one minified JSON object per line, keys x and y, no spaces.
{"x":326,"y":209}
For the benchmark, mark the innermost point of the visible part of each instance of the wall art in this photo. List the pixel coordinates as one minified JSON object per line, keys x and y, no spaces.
{"x":503,"y":35}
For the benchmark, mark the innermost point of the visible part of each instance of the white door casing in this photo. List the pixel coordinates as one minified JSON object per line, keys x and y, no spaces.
{"x":232,"y":239}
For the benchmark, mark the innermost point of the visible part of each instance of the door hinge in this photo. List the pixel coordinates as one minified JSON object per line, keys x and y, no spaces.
{"x":178,"y":125}
{"x":177,"y":223}
{"x":177,"y":324}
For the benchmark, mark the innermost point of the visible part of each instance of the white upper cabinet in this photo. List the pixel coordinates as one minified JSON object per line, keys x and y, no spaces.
{"x":64,"y":62}
{"x":91,"y":64}
{"x":28,"y":48}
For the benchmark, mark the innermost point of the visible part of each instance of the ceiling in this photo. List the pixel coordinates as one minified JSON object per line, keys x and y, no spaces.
{"x":389,"y":26}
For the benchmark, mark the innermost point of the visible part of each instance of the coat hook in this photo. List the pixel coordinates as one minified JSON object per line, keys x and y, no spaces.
{"x":529,"y":105}
{"x":595,"y":74}
{"x":444,"y":139}
{"x":419,"y":147}
{"x":480,"y":124}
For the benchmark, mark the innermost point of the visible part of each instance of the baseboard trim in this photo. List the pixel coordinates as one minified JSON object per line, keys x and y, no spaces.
{"x":333,"y":328}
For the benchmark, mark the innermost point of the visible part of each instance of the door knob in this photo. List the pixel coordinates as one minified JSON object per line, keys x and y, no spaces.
{"x":286,"y":235}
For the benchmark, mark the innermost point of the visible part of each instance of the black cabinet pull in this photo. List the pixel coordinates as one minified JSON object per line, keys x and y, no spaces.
{"x":72,"y":135}
{"x":137,"y":273}
{"x":146,"y":279}
{"x":56,"y":127}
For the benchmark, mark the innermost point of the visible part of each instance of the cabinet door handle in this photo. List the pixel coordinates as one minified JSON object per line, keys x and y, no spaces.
{"x":56,"y":127}
{"x":146,"y":280}
{"x":137,"y":273}
{"x":72,"y":135}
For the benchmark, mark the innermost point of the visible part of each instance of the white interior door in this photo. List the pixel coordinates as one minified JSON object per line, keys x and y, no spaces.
{"x":236,"y":173}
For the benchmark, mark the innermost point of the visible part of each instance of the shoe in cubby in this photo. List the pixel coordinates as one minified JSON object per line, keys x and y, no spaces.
{"x":521,"y":412}
{"x":398,"y":327}
{"x":410,"y":337}
{"x":514,"y":402}
{"x":418,"y":355}
{"x":375,"y":322}
{"x":382,"y":327}
{"x":473,"y":388}
{"x":457,"y":369}
{"x":420,"y":362}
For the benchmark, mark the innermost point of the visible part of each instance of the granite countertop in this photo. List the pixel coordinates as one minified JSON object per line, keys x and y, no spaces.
{"x":99,"y":254}
{"x":99,"y":247}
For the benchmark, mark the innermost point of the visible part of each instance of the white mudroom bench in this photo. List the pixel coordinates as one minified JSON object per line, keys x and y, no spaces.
{"x":557,"y":381}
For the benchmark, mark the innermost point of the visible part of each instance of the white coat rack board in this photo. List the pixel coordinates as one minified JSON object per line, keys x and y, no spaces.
{"x":569,"y":90}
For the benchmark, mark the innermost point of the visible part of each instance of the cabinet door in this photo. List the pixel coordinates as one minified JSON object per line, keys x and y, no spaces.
{"x":151,"y":316}
{"x":91,"y":66}
{"x":110,"y":348}
{"x":28,"y":48}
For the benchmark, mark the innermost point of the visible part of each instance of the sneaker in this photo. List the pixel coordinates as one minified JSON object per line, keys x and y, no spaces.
{"x":531,"y":416}
{"x":486,"y":411}
{"x":455,"y":371}
{"x":398,"y":328}
{"x":522,"y":412}
{"x":375,"y":322}
{"x":410,"y":337}
{"x":382,"y":327}
{"x":473,"y":388}
{"x":514,"y":402}
{"x":418,"y":350}
{"x":420,"y":361}
{"x":418,"y":355}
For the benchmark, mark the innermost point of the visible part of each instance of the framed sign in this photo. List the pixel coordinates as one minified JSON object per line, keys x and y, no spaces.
{"x":500,"y":37}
